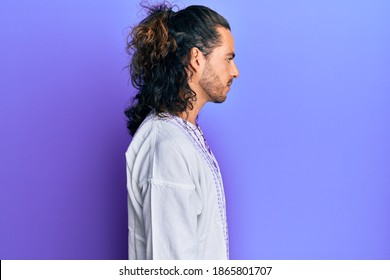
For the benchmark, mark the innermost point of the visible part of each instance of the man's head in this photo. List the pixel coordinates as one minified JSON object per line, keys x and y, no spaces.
{"x":214,"y":74}
{"x":179,"y":58}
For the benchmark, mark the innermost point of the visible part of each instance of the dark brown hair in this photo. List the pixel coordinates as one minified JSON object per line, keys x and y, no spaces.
{"x":160,"y":48}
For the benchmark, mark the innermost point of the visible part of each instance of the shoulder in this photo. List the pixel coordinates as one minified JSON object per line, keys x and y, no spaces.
{"x":162,"y":134}
{"x":162,"y":148}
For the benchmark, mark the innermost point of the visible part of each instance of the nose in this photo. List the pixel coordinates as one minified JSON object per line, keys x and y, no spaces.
{"x":235,"y":72}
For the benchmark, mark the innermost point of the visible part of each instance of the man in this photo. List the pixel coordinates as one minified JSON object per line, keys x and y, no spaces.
{"x":180,"y":61}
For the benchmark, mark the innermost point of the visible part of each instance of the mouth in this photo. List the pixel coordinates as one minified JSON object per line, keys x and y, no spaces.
{"x":229,"y":83}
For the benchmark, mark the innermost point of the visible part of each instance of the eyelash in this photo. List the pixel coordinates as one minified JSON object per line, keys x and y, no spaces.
{"x":229,"y":59}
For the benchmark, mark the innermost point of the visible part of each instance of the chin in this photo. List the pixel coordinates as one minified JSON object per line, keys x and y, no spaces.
{"x":220,"y":99}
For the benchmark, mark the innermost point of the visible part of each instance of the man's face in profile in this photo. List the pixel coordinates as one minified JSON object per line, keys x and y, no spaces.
{"x":219,"y":69}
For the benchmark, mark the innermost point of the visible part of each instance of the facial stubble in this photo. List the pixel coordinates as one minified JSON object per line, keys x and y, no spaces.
{"x":212,"y":85}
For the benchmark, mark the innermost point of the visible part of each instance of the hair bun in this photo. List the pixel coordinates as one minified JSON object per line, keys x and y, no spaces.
{"x":152,"y":36}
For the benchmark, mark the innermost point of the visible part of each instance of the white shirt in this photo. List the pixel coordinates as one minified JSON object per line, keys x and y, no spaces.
{"x":176,"y":202}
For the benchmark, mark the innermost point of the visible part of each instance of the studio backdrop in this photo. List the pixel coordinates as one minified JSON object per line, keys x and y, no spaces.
{"x":303,"y":139}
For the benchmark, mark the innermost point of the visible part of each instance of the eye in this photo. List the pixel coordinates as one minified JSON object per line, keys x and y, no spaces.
{"x":230,"y":57}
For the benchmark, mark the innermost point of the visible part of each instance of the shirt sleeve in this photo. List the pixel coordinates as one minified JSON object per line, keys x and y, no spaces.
{"x":170,"y":217}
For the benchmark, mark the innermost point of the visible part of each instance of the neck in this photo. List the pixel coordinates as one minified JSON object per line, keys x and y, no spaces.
{"x":197,"y":105}
{"x":191,"y":115}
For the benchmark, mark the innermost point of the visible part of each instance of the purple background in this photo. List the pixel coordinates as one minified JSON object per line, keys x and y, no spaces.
{"x":303,"y":139}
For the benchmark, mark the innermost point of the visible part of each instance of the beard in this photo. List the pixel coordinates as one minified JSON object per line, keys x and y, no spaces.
{"x":212,"y":85}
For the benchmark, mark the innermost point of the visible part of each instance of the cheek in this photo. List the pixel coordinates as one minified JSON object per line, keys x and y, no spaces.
{"x":223,"y":70}
{"x":226,"y":73}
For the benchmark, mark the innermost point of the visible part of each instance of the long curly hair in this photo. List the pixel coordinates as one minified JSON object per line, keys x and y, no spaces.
{"x":160,"y":49}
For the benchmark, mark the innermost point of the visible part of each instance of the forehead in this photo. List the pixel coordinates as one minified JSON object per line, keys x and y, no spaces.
{"x":227,"y":41}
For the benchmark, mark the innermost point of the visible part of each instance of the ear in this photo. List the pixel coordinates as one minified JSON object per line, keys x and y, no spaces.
{"x":196,"y":60}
